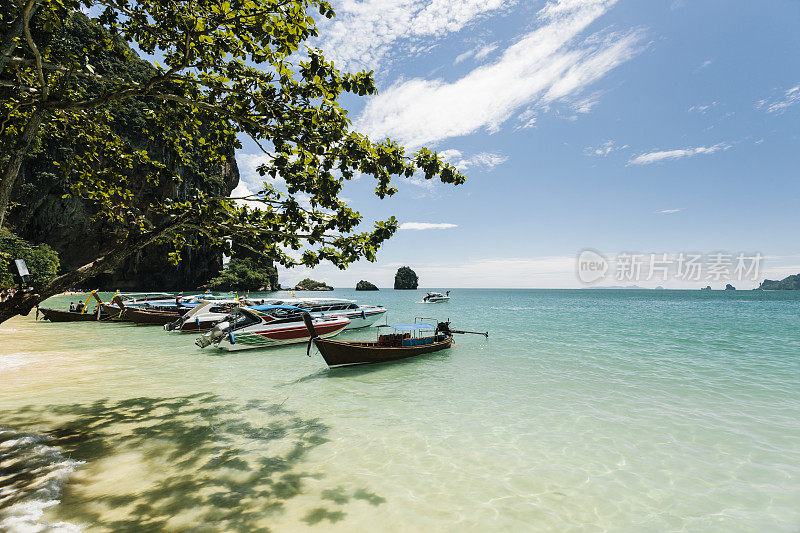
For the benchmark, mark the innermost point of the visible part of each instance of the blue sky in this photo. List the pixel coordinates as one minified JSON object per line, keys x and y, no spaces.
{"x":639,"y":127}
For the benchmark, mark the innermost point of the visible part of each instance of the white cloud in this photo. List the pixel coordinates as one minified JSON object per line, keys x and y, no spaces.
{"x":669,"y":211}
{"x":547,"y":65}
{"x":487,"y":160}
{"x":484,"y":52}
{"x":779,"y":104}
{"x":364,"y":34}
{"x":480,"y":53}
{"x":653,"y":157}
{"x":604,"y":149}
{"x":703,"y":65}
{"x":425,"y":225}
{"x":703,"y":109}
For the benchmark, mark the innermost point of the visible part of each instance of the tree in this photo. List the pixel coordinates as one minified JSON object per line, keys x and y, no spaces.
{"x":42,"y":260}
{"x":227,"y":68}
{"x":245,"y":275}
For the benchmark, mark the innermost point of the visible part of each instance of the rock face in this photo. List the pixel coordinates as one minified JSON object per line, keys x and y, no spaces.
{"x":706,"y":288}
{"x":43,"y":216}
{"x":789,"y":283}
{"x":729,"y":287}
{"x":309,"y":284}
{"x":405,"y":279}
{"x":365,"y":286}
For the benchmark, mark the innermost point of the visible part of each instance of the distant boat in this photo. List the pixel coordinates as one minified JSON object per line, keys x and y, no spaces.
{"x":436,"y":297}
{"x":262,"y":326}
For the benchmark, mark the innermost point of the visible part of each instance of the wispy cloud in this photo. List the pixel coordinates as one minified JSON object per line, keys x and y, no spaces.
{"x":425,"y":225}
{"x":703,"y":109}
{"x":487,"y":160}
{"x":778,"y":104}
{"x":661,"y":155}
{"x":704,"y":64}
{"x":604,"y":149}
{"x":479,"y":53}
{"x":669,"y":211}
{"x":548,"y":65}
{"x":366,"y":34}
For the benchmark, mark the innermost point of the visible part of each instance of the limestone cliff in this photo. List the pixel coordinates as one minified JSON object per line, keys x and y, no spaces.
{"x":43,"y":216}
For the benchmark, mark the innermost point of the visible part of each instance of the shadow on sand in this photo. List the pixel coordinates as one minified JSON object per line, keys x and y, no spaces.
{"x":200,"y":461}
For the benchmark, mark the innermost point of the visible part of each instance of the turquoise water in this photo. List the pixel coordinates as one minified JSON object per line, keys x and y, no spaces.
{"x":584,"y":410}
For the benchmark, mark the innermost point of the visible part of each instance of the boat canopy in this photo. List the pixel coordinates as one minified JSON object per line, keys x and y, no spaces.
{"x":409,"y":327}
{"x":268,"y":307}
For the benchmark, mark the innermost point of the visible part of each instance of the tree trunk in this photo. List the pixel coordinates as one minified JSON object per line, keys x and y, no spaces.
{"x":22,"y":303}
{"x":18,"y":154}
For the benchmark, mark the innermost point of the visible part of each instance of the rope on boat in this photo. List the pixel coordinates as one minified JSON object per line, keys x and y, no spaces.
{"x":294,"y":386}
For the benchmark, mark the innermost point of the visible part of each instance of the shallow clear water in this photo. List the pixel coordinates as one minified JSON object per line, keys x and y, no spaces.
{"x":584,"y":410}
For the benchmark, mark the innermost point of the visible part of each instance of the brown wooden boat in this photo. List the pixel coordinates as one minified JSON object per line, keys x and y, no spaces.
{"x":343,"y":353}
{"x":408,"y":342}
{"x":58,"y":315}
{"x":150,"y":317}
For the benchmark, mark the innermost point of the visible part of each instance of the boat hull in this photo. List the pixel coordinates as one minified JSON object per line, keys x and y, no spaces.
{"x":58,"y":315}
{"x":265,"y":338}
{"x":114,"y":312}
{"x":346,"y":353}
{"x":144,"y":317}
{"x":359,"y":319}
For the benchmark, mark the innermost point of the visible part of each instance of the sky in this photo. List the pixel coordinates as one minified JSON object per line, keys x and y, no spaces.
{"x":640,"y":131}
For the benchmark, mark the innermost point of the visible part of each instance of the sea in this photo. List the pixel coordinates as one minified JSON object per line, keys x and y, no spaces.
{"x":584,"y":410}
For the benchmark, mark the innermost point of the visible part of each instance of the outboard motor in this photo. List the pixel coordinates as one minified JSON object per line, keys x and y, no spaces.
{"x":215,"y":333}
{"x":172,"y":326}
{"x":443,"y":328}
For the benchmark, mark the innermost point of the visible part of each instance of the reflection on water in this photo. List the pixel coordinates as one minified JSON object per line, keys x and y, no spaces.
{"x":167,"y":463}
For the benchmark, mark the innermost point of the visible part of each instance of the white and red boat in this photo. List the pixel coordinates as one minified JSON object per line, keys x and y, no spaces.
{"x":360,"y":316}
{"x":203,"y":316}
{"x":263,"y":326}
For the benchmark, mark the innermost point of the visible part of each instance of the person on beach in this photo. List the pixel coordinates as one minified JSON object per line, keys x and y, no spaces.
{"x":72,"y":307}
{"x":80,"y":307}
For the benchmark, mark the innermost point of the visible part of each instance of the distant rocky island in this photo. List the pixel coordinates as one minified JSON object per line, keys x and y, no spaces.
{"x":789,"y":283}
{"x":364,"y":285}
{"x":405,"y":279}
{"x":729,"y":287}
{"x":309,"y":284}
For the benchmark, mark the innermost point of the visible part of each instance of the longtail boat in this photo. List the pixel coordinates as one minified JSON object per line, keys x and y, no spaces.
{"x":59,"y":315}
{"x":152,"y":317}
{"x":409,"y":340}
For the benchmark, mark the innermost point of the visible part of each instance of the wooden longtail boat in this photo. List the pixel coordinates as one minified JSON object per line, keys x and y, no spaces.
{"x":59,"y":315}
{"x":389,"y":347}
{"x":150,"y":317}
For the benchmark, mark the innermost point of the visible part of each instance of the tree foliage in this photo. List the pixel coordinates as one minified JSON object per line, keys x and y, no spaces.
{"x":309,"y":284}
{"x":42,"y":260}
{"x":405,"y":278}
{"x":226,"y":69}
{"x":245,"y":275}
{"x":789,"y":283}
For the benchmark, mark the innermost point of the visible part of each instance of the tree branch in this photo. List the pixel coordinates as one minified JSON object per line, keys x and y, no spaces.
{"x":32,"y":45}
